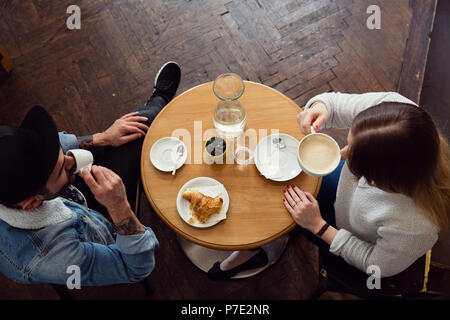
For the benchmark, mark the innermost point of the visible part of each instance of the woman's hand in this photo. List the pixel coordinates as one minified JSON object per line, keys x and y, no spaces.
{"x":303,"y":208}
{"x":123,"y":130}
{"x":314,"y":116}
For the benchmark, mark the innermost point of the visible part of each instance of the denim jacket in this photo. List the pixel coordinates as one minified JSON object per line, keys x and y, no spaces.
{"x":86,"y":240}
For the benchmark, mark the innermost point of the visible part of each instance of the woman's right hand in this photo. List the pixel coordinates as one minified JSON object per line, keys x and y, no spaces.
{"x":315,"y":116}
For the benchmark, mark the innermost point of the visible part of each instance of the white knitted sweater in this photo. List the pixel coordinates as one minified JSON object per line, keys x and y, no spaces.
{"x":375,"y":227}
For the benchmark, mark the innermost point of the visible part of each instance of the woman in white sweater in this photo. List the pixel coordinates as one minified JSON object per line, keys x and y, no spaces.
{"x":393,"y":192}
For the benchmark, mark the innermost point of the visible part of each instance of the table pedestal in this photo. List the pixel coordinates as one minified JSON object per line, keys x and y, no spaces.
{"x":204,"y":258}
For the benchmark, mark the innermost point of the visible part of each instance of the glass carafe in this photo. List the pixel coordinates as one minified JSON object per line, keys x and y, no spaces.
{"x":229,"y":115}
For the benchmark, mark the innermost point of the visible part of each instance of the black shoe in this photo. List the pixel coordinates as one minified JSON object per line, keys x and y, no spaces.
{"x":259,"y":260}
{"x":167,"y":81}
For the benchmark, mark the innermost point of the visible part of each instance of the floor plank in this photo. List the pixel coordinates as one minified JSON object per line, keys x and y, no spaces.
{"x":87,"y":78}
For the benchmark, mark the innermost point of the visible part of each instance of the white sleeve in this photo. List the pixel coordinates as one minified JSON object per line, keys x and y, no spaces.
{"x":343,"y":107}
{"x":394,"y":251}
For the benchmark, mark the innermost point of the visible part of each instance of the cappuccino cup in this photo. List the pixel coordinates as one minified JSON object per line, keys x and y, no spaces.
{"x":318,"y":154}
{"x":83,"y":159}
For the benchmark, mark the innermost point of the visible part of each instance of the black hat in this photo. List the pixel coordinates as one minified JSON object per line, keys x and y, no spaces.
{"x":28,"y":156}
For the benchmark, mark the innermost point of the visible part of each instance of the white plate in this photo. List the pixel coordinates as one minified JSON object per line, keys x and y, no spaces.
{"x":202,"y":183}
{"x":162,"y":154}
{"x":278,"y":164}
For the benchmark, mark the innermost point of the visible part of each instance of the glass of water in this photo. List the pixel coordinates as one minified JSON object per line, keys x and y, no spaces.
{"x":229,"y":115}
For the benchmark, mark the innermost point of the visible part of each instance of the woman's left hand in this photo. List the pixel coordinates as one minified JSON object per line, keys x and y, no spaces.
{"x":303,"y":208}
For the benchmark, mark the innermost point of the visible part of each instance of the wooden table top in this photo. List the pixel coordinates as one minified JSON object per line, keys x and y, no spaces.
{"x":256,"y":214}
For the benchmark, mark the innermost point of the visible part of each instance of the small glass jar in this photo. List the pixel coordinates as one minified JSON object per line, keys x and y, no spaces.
{"x":243,"y":155}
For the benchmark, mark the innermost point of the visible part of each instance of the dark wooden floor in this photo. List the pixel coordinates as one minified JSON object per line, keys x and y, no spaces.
{"x":87,"y":78}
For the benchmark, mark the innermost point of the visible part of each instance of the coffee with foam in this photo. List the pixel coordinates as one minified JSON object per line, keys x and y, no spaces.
{"x":319,"y":154}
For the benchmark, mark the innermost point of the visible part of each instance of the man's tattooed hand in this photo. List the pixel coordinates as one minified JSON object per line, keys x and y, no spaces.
{"x":85,"y":142}
{"x":129,"y":226}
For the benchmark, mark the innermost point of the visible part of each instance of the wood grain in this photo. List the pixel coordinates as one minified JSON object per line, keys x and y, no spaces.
{"x":256,"y":214}
{"x":416,"y":52}
{"x":88,"y":78}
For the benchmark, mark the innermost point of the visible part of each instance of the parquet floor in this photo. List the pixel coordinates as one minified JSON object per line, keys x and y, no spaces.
{"x":87,"y":78}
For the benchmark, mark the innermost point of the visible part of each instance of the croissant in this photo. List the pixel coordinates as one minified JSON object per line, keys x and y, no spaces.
{"x":201,"y":205}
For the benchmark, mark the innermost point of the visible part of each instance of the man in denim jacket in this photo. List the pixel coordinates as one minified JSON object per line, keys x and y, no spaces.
{"x":47,"y":221}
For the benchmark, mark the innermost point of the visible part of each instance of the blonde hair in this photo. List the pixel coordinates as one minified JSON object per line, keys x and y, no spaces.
{"x":434,"y":195}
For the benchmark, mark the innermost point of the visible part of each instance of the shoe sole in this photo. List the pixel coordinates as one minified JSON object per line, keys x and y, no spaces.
{"x":159,"y":72}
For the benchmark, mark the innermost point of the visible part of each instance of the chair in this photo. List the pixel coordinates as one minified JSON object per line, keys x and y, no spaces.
{"x":137,"y":203}
{"x":137,"y":209}
{"x":338,"y":276}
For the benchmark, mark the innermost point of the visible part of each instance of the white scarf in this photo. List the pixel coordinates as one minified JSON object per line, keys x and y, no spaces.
{"x":48,"y":213}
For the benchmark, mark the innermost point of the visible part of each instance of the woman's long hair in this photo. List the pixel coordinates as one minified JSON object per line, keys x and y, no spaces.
{"x":397,"y":148}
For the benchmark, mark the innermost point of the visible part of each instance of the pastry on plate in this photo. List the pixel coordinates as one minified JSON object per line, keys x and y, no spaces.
{"x":201,"y":205}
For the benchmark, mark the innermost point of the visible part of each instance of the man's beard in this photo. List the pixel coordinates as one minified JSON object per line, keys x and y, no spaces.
{"x":61,"y":191}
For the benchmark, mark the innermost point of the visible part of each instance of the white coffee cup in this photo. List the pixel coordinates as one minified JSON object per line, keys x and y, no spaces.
{"x":318,"y":154}
{"x":83,"y":159}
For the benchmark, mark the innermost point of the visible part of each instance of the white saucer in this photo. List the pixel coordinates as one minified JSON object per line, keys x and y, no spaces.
{"x":163,"y":151}
{"x":202,"y":183}
{"x":278,"y":164}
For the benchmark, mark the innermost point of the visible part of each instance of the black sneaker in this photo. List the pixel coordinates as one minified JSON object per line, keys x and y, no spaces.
{"x":167,"y":80}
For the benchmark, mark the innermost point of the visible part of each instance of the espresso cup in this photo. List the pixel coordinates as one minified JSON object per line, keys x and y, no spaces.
{"x":318,"y":154}
{"x":83,"y":159}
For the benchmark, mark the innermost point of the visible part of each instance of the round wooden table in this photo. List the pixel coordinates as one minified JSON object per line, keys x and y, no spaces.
{"x":256,"y":215}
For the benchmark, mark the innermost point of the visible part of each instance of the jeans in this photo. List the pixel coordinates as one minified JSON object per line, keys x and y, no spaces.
{"x":123,"y":160}
{"x":326,"y":199}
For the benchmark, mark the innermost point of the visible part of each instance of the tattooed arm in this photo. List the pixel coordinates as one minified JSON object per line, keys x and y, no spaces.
{"x":125,"y":220}
{"x":130,"y":225}
{"x":123,"y":130}
{"x":85,"y":142}
{"x":109,"y":190}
